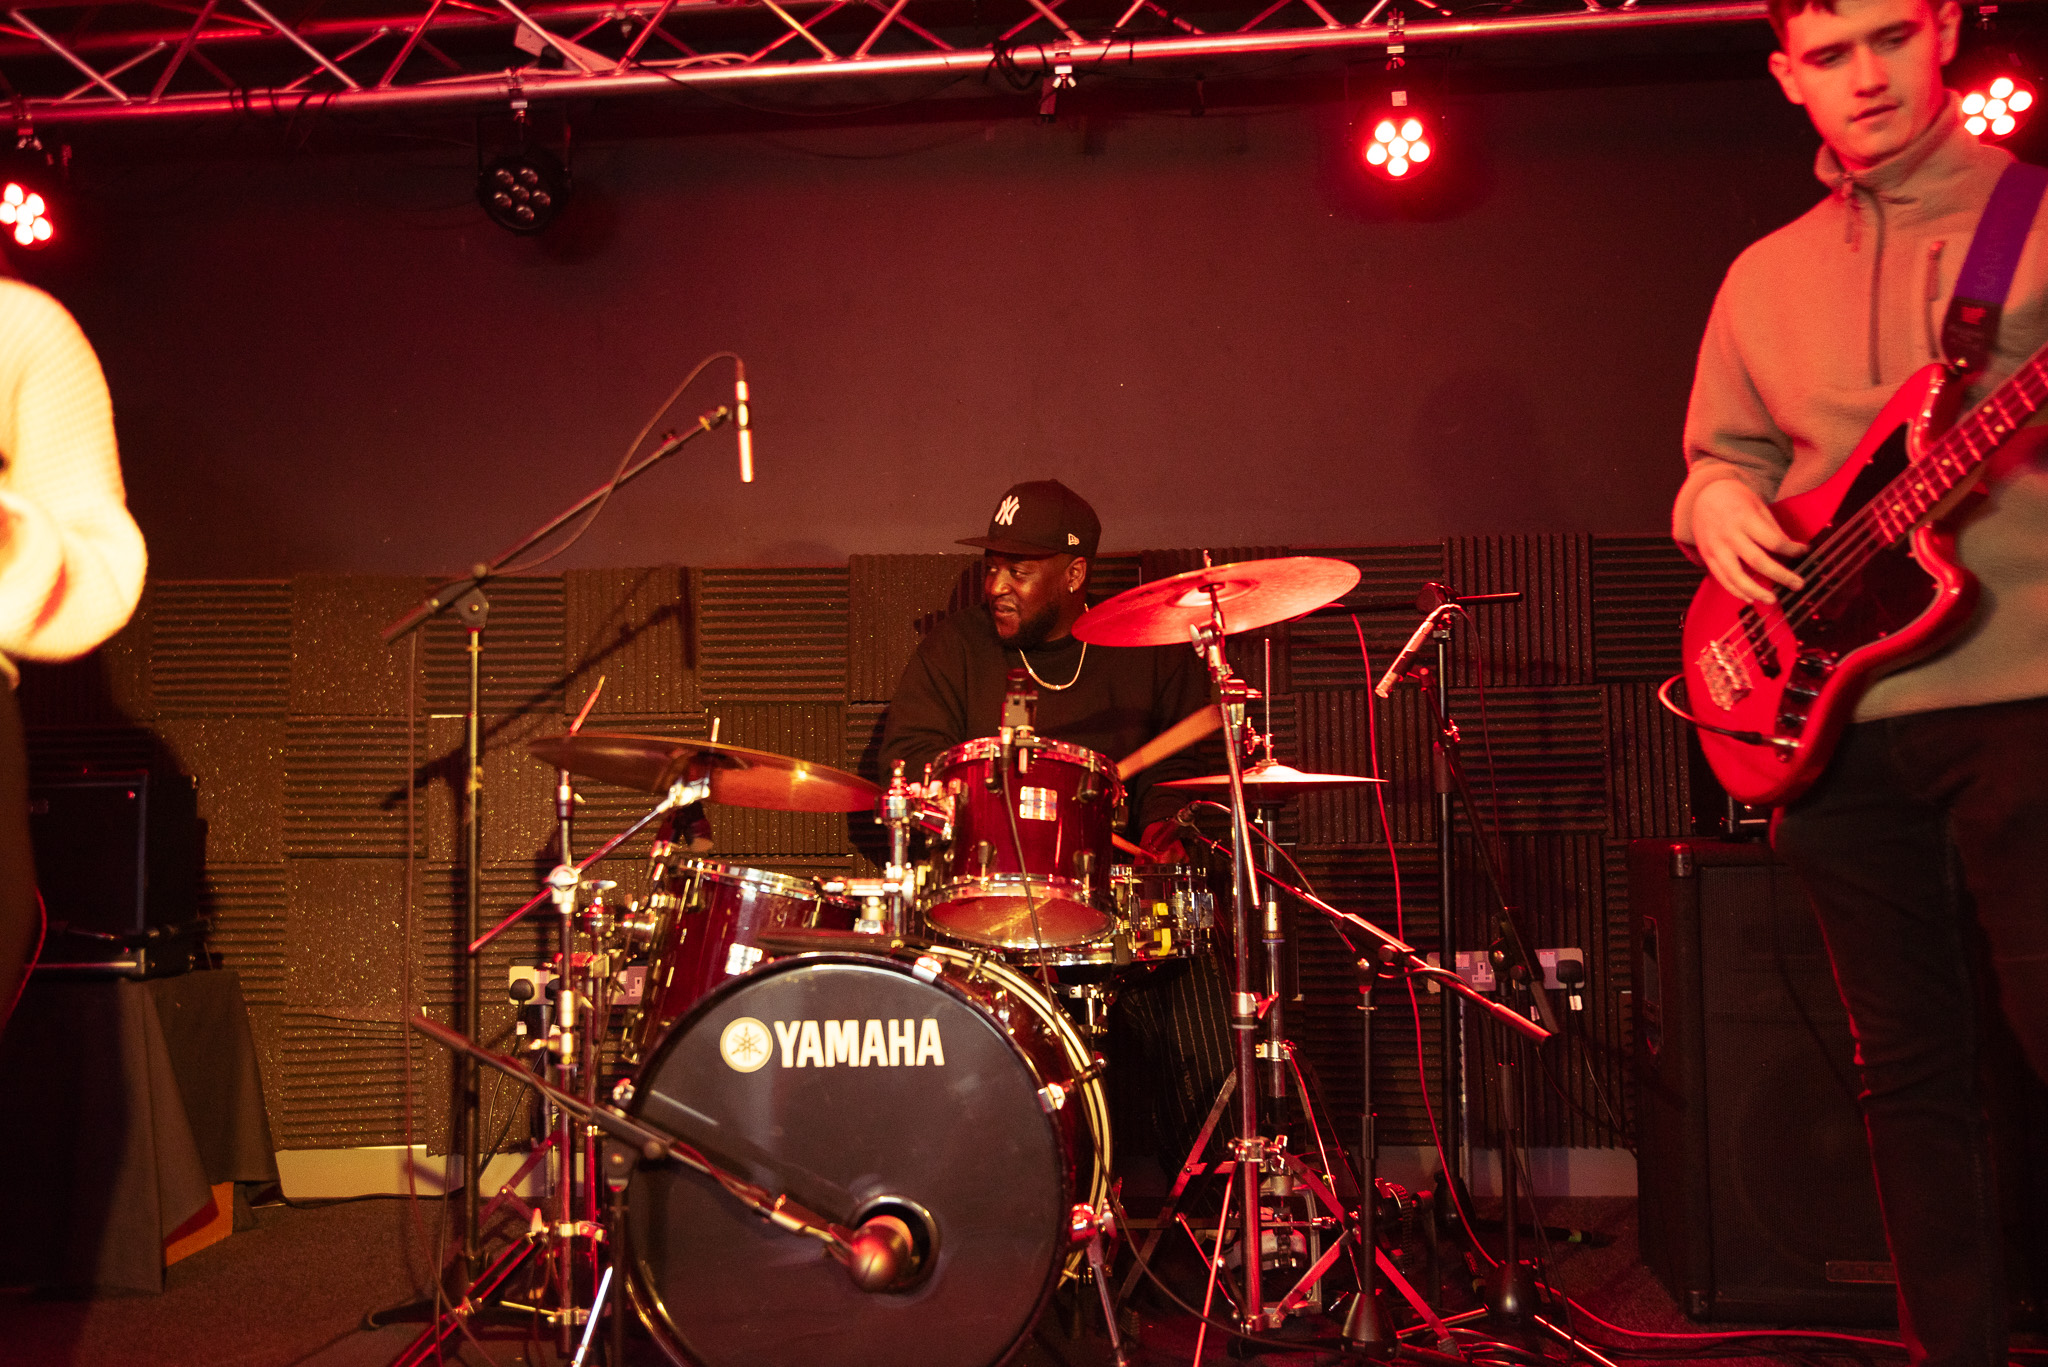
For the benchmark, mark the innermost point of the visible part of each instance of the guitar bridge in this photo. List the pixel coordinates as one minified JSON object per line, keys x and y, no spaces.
{"x":1724,"y":674}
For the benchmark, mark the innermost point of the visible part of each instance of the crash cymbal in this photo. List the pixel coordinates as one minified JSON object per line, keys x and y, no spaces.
{"x":1253,"y":593}
{"x":739,"y":777}
{"x":1273,"y":781}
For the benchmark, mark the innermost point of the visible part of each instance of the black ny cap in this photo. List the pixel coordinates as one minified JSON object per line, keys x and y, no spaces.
{"x":1041,"y":517}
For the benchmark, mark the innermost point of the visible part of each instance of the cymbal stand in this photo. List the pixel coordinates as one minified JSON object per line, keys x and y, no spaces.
{"x":1248,"y":1147}
{"x":885,"y":901}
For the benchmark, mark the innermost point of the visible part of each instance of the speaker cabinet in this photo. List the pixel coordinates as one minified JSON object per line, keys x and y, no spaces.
{"x":1756,"y":1198}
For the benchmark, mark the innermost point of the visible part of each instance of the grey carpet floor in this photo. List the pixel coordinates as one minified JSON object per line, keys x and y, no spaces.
{"x":294,"y":1290}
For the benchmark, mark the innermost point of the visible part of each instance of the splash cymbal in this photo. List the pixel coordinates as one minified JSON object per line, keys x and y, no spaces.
{"x":739,"y":777}
{"x":1273,"y":781}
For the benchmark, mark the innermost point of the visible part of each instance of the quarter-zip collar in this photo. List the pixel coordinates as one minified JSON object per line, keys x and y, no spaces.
{"x":1942,"y":172}
{"x":1937,"y":173}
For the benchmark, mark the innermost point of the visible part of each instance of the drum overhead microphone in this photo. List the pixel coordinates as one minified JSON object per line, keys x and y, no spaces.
{"x":744,"y":419}
{"x":1414,"y":647}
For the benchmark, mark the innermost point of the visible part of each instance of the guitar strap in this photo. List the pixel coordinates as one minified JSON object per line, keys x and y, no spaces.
{"x":1979,"y":299}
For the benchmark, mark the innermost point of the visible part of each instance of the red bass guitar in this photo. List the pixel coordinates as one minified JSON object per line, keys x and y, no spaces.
{"x":1771,"y":688}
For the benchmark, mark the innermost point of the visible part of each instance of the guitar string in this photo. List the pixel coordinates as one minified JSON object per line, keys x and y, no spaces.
{"x":1863,"y":535}
{"x":1866,"y":533}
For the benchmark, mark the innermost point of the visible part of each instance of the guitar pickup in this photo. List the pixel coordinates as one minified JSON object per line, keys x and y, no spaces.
{"x":1724,"y":674}
{"x":1759,"y":641}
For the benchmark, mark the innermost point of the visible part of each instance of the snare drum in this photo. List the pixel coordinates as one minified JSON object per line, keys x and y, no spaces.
{"x":709,"y":917}
{"x":945,"y":1089}
{"x":1029,"y":859}
{"x":1164,"y":911}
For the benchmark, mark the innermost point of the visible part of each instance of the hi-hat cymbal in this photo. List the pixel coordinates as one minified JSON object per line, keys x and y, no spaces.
{"x":1252,"y":593}
{"x":1272,"y":782}
{"x":739,"y":777}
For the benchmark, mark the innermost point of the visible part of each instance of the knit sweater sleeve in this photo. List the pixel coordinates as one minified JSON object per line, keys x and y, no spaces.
{"x":72,"y":564}
{"x":1729,"y":432}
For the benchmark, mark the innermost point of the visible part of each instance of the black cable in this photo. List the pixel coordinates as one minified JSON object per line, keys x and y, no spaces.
{"x":1003,"y":762}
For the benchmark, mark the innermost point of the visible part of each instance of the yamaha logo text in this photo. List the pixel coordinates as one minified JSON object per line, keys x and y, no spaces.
{"x":903,"y":1043}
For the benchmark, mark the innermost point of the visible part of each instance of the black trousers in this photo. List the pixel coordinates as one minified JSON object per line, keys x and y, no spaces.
{"x":1925,"y":848}
{"x":20,"y":923}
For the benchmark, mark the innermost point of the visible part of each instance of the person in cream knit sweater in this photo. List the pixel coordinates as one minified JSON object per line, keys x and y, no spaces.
{"x":71,"y":558}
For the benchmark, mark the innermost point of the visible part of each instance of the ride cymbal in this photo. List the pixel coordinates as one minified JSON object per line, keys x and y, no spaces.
{"x":1251,"y":594}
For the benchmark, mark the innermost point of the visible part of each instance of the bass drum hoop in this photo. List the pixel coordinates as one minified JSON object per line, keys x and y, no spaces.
{"x":968,"y":964}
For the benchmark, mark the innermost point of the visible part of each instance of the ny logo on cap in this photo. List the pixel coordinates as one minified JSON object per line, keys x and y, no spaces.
{"x":1006,"y":513}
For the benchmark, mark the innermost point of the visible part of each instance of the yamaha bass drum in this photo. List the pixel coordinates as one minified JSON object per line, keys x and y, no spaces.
{"x":943,"y":1089}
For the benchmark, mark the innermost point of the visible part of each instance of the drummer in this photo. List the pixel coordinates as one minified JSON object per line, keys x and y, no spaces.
{"x":1109,"y":699}
{"x":1172,"y":1037}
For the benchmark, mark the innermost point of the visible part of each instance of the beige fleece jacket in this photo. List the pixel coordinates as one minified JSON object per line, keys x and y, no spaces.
{"x":1814,"y":328}
{"x":71,"y":558}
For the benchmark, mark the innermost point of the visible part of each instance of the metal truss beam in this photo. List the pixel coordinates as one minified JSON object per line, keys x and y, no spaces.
{"x":236,"y":57}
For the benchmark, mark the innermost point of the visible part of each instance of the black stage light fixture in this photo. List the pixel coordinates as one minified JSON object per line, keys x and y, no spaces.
{"x":523,"y":191}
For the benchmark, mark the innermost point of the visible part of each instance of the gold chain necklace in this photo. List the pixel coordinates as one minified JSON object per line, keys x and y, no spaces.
{"x":1057,"y":688}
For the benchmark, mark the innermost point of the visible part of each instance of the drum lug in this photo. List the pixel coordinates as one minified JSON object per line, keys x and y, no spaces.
{"x":926,"y":969}
{"x":1052,"y":1097}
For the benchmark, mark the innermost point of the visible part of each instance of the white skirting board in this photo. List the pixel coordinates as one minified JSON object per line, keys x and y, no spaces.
{"x":388,"y":1170}
{"x":333,"y":1174}
{"x":1557,"y":1172}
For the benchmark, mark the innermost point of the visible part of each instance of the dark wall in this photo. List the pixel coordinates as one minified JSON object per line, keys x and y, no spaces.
{"x":1215,"y":327}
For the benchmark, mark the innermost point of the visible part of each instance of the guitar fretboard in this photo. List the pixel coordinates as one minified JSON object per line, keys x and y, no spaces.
{"x":1950,"y":462}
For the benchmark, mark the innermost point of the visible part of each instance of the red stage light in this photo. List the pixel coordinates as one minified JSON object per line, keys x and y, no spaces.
{"x":1993,"y":110}
{"x":24,"y":215}
{"x":1398,"y":144}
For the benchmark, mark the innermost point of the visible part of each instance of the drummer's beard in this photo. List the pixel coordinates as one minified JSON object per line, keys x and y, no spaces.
{"x":1030,"y":632}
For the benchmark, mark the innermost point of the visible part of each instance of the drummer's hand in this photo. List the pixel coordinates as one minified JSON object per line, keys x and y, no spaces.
{"x":1162,"y":841}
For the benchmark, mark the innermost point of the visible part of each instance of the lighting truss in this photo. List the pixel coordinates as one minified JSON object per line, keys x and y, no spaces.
{"x":63,"y":62}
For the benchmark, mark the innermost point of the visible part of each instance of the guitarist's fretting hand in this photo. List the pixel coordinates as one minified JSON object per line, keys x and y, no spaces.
{"x":1739,"y":541}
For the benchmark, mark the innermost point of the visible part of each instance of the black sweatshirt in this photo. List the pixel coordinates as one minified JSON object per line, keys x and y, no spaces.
{"x":952,"y":691}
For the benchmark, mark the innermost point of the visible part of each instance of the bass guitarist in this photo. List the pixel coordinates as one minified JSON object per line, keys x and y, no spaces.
{"x":1926,"y":836}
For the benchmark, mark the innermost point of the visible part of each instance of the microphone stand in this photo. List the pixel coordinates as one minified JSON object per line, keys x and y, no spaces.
{"x":466,"y":597}
{"x":1365,"y":1329}
{"x":1511,"y":1288}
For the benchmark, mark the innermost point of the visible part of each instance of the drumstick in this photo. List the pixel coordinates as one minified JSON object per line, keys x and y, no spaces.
{"x":1131,"y":847}
{"x":1171,"y":741}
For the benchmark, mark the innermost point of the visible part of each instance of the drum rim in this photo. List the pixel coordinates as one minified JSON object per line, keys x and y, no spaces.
{"x":985,"y":747}
{"x":1039,"y":889}
{"x":1082,"y":1186}
{"x":783,"y":884}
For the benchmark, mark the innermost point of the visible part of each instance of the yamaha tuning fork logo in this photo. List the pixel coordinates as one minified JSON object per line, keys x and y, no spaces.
{"x":746,"y":1044}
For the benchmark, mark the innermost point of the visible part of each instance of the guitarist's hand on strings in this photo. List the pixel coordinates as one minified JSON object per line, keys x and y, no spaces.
{"x":1739,"y":541}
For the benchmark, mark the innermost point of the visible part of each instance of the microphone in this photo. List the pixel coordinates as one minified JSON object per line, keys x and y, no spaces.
{"x":1414,"y":647}
{"x":881,"y":1252}
{"x":741,"y":416}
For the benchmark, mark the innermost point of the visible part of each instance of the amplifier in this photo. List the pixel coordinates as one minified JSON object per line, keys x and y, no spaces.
{"x":116,"y":865}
